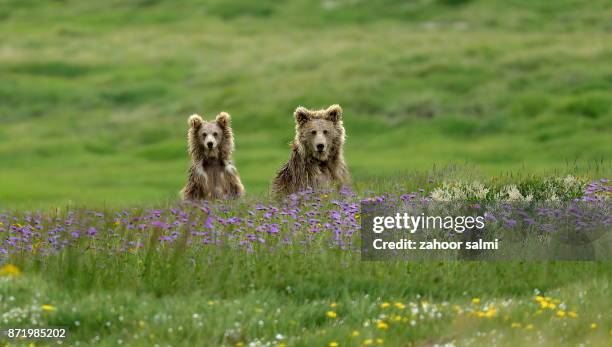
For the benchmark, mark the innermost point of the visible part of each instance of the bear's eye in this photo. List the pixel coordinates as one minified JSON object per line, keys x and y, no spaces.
{"x":314,"y":132}
{"x":204,"y":134}
{"x":215,"y":134}
{"x":324,"y":131}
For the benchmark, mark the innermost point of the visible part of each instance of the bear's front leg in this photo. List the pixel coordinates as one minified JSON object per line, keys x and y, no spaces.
{"x":191,"y":191}
{"x":341,"y":175}
{"x":197,"y":181}
{"x":235,"y":187}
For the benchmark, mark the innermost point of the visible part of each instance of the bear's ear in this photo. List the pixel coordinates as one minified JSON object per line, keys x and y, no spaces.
{"x":223,"y":119}
{"x":302,"y":115}
{"x":195,"y":121}
{"x":334,"y":113}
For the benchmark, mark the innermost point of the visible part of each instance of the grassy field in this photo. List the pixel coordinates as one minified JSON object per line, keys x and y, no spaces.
{"x":271,"y":274}
{"x":419,"y":304}
{"x":94,"y":96}
{"x":94,"y":99}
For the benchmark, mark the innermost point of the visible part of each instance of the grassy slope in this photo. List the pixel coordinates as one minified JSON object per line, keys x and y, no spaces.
{"x":94,"y":96}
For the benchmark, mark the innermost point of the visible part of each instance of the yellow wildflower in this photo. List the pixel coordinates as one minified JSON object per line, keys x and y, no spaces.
{"x":367,"y":342}
{"x":355,"y":333}
{"x":10,"y":270}
{"x":333,"y":344}
{"x":491,"y":312}
{"x":560,"y":313}
{"x":239,"y":344}
{"x":382,"y":325}
{"x":399,"y":305}
{"x":48,"y":308}
{"x":380,"y":341}
{"x":515,"y":325}
{"x":331,"y":314}
{"x":385,"y":305}
{"x":476,"y":301}
{"x":333,"y":304}
{"x":593,"y":325}
{"x":539,"y":298}
{"x":529,"y":327}
{"x":572,"y":314}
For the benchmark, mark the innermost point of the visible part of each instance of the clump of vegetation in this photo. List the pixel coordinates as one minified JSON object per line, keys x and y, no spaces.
{"x":550,"y":189}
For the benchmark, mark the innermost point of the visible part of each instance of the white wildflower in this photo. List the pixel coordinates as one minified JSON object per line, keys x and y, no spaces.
{"x":440,"y":194}
{"x":514,"y":194}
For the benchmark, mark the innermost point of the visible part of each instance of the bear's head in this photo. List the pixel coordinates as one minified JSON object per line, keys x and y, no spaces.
{"x":319,"y":134}
{"x":211,"y":140}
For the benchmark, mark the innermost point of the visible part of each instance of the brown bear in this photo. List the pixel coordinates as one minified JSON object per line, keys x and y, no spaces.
{"x":317,"y":158}
{"x":212,"y":174}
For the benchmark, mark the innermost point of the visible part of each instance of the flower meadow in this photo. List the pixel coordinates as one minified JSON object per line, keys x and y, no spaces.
{"x":288,"y":273}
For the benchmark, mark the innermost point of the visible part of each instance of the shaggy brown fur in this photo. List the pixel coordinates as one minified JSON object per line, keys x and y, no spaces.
{"x":317,"y":159}
{"x":212,"y":174}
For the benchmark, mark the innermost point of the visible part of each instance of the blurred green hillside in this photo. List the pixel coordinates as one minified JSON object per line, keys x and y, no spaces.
{"x":94,"y":95}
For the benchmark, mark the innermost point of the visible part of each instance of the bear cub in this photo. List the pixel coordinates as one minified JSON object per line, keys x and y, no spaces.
{"x":212,"y":174}
{"x":317,"y":159}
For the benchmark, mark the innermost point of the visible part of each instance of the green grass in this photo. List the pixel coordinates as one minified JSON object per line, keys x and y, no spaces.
{"x":295,"y":289}
{"x":187,"y":294}
{"x":294,"y":304}
{"x":94,"y":97}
